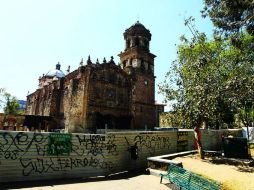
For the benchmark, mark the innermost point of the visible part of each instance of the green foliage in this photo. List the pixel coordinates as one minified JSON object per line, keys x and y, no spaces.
{"x":12,"y":104}
{"x":211,"y":80}
{"x":230,"y":16}
{"x":9,"y":103}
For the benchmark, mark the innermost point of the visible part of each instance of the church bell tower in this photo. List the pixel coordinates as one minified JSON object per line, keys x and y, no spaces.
{"x":138,"y":62}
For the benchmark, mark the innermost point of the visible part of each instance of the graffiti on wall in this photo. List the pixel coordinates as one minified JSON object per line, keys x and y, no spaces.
{"x":151,"y":143}
{"x":15,"y":146}
{"x":47,"y":165}
{"x":37,"y":154}
{"x":182,"y":141}
{"x":56,"y":152}
{"x":95,"y":145}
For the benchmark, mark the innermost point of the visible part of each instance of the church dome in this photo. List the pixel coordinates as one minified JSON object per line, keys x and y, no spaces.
{"x":56,"y":72}
{"x":137,"y":29}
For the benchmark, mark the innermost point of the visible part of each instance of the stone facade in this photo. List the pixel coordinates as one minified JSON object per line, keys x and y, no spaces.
{"x":102,"y":95}
{"x":11,"y":122}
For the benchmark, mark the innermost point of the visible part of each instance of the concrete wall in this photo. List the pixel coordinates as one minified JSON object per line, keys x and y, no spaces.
{"x":25,"y":155}
{"x":211,"y":139}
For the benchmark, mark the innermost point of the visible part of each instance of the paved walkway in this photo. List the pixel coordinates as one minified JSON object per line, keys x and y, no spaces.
{"x":127,"y":181}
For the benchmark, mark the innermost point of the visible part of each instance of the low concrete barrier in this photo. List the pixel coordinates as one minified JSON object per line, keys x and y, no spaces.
{"x":162,"y":162}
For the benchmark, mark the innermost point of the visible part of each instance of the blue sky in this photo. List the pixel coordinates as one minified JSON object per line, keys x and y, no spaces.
{"x":35,"y":35}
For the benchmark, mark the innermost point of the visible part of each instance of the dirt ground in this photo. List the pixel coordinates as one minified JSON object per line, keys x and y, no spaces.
{"x":232,"y":177}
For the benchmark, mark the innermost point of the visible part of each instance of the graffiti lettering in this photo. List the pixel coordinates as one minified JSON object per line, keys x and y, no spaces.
{"x":45,"y":165}
{"x":14,"y":147}
{"x":152,"y":143}
{"x":66,"y":152}
{"x":95,"y":145}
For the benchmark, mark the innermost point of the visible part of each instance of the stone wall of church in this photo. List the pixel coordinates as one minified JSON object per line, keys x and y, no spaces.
{"x":44,"y":101}
{"x":92,"y":94}
{"x":143,"y":105}
{"x":109,"y":97}
{"x":96,"y":95}
{"x":75,"y":100}
{"x":31,"y":103}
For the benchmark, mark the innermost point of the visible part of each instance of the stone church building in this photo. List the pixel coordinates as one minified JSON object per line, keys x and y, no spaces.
{"x":99,"y":95}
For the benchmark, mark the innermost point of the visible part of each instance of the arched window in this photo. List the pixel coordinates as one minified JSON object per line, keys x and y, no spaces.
{"x":130,"y":62}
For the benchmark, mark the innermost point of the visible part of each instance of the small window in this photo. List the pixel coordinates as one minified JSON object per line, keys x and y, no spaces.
{"x":130,"y":62}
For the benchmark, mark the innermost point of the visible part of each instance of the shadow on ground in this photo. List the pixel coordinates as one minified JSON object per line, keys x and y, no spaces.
{"x":41,"y":183}
{"x":172,"y":186}
{"x":242,"y":165}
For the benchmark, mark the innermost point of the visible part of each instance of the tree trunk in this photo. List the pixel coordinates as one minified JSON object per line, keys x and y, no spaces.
{"x":197,"y":135}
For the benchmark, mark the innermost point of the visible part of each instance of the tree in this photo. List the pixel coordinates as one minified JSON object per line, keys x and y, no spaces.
{"x":12,"y":104}
{"x":236,"y":17}
{"x":230,"y":16}
{"x":193,"y":80}
{"x":9,"y":103}
{"x":206,"y":81}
